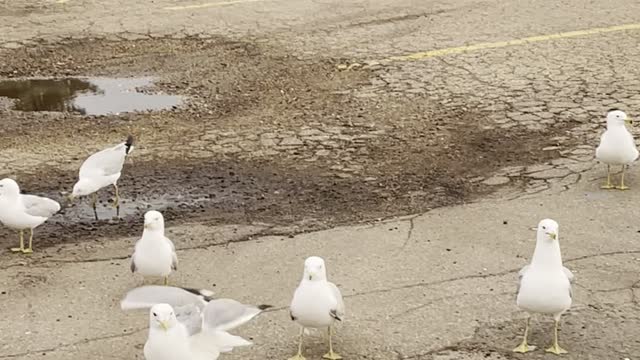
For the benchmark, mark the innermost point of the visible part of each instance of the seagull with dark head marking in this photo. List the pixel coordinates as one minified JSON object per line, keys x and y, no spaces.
{"x":100,"y":170}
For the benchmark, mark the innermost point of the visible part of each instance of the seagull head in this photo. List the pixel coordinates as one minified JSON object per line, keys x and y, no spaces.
{"x":82,"y":188}
{"x":548,"y":230}
{"x":617,"y":117}
{"x":8,"y":187}
{"x":153,"y":220}
{"x":314,"y":269}
{"x":162,"y":317}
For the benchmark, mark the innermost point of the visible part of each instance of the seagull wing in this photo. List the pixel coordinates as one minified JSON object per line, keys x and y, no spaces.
{"x":520,"y":275}
{"x":340,"y":308}
{"x":145,"y":297}
{"x":104,"y":163}
{"x":221,"y":315}
{"x":39,"y":206}
{"x":174,"y":255}
{"x":190,"y":316}
{"x":227,"y":314}
{"x":569,"y":274}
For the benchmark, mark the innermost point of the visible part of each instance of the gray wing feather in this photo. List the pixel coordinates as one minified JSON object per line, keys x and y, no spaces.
{"x":340,"y":308}
{"x":226,"y":314}
{"x":145,"y":297}
{"x":104,"y":163}
{"x":520,"y":275}
{"x":39,"y":206}
{"x":569,"y":274}
{"x":190,"y":316}
{"x":174,"y":256}
{"x":571,"y":277}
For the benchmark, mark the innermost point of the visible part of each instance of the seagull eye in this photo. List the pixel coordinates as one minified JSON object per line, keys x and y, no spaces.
{"x":544,"y":228}
{"x":154,"y":314}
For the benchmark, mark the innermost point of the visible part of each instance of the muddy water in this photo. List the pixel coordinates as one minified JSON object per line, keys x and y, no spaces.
{"x":86,"y":96}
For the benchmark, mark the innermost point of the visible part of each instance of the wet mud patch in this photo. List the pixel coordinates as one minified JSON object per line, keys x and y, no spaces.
{"x":219,"y":192}
{"x":264,"y":137}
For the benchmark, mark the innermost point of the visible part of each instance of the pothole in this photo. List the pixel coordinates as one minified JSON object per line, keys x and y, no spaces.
{"x":86,"y":96}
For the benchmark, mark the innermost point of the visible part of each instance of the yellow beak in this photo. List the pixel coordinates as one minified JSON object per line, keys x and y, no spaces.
{"x":553,"y":235}
{"x":164,"y":325}
{"x":70,"y":197}
{"x":146,"y":226}
{"x":629,"y":121}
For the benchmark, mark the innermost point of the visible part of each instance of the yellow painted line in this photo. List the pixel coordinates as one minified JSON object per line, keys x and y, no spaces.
{"x":206,"y":5}
{"x":523,"y":41}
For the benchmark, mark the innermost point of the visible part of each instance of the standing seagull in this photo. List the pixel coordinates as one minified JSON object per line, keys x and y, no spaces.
{"x":100,"y":170}
{"x":317,"y":303}
{"x":617,"y":146}
{"x":545,"y":285}
{"x":154,"y":254}
{"x":187,"y":324}
{"x":21,"y":212}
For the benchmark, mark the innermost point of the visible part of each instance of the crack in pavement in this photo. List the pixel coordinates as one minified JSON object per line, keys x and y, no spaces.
{"x":484,"y":276}
{"x":81,"y":342}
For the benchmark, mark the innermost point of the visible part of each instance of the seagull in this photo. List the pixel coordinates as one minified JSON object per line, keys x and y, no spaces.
{"x":317,"y":303}
{"x":100,"y":170}
{"x":154,"y":254}
{"x":617,"y":146}
{"x":187,"y":323}
{"x":20,"y":211}
{"x":545,"y":284}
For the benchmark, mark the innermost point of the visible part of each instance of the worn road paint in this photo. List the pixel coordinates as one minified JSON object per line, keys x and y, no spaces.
{"x":523,"y":41}
{"x":206,"y":5}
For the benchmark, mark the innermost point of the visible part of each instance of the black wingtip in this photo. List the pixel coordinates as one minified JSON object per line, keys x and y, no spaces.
{"x":264,"y":307}
{"x":129,"y":143}
{"x":206,"y":294}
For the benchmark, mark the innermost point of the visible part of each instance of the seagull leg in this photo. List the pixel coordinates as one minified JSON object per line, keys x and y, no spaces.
{"x":93,"y":204}
{"x":622,"y":187}
{"x":608,"y":185}
{"x":524,"y":346}
{"x":556,"y":349}
{"x":116,"y":202}
{"x":30,"y":249}
{"x":331,"y":355}
{"x":166,"y":280}
{"x":299,"y":354}
{"x":21,"y":248}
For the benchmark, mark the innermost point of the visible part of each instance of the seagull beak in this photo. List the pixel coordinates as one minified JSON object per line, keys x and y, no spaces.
{"x":164,"y":325}
{"x":553,"y":236}
{"x":629,"y":121}
{"x":70,"y":197}
{"x":146,"y":226}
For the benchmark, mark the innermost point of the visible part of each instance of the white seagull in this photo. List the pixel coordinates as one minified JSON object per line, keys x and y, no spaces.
{"x":545,"y":284}
{"x":617,"y":146}
{"x":100,"y":170}
{"x":317,"y":303}
{"x":19,"y":211}
{"x":188,"y":324}
{"x":154,"y":254}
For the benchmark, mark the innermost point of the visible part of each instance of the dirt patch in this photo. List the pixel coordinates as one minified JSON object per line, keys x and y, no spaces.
{"x":264,"y":137}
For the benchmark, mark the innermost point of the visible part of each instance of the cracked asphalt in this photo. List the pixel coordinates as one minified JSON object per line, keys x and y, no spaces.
{"x":419,"y":181}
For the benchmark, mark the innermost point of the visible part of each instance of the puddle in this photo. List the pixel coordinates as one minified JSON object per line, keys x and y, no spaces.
{"x":87,"y":96}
